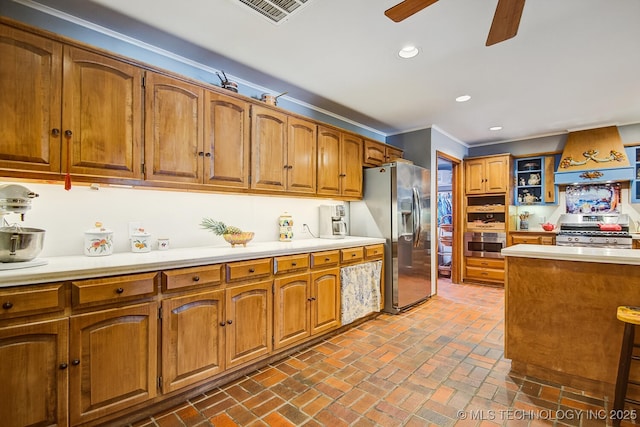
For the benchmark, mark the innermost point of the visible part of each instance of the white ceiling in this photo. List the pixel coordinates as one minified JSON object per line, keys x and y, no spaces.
{"x":574,"y":64}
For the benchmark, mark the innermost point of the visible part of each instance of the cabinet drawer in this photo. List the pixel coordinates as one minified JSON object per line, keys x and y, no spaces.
{"x":527,"y":240}
{"x":30,"y":300}
{"x":324,"y":259}
{"x":373,"y":251}
{"x":484,"y":274}
{"x":485,"y":263}
{"x":284,"y":264}
{"x":352,"y":254}
{"x":548,"y":240}
{"x":247,"y":269}
{"x":195,"y":276}
{"x":113,"y":289}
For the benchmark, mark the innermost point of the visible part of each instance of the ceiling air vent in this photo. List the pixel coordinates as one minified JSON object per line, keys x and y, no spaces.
{"x":276,"y":11}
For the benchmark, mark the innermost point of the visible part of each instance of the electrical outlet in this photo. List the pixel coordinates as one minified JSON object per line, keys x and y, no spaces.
{"x":304,"y":230}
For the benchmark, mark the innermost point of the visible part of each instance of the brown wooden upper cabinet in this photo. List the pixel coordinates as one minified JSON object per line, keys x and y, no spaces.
{"x":283,"y":152}
{"x":487,"y":174}
{"x":339,"y":163}
{"x":68,"y":109}
{"x":376,"y":153}
{"x":194,"y":135}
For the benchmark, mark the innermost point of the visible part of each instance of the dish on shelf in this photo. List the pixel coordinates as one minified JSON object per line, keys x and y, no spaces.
{"x":530,"y":166}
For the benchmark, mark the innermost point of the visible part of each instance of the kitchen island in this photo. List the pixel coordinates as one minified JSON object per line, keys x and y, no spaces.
{"x":560,"y":312}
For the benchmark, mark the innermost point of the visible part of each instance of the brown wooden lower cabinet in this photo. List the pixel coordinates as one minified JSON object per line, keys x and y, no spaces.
{"x":34,"y":374}
{"x":112,"y":360}
{"x":192,"y":339}
{"x":489,"y":270}
{"x":101,"y":348}
{"x":531,"y":237}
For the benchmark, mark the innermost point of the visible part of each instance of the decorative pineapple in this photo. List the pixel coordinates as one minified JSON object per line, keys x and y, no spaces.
{"x":231,"y":234}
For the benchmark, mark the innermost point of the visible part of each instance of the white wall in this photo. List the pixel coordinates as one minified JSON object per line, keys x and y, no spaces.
{"x":66,"y":215}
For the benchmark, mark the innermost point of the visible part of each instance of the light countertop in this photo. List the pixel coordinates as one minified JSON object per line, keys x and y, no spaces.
{"x":571,"y":253}
{"x":83,"y":267}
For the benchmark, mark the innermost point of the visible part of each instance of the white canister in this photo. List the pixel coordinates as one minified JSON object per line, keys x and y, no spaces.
{"x":98,"y":241}
{"x":286,"y":227}
{"x":163,"y":244}
{"x":140,"y":241}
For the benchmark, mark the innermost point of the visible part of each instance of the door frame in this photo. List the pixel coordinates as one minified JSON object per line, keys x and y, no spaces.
{"x":457,"y":203}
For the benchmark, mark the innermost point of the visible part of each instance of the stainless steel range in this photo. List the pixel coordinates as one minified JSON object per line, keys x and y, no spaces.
{"x":608,"y":230}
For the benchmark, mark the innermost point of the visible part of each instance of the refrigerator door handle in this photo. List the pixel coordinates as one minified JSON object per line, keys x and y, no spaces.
{"x":416,"y":212}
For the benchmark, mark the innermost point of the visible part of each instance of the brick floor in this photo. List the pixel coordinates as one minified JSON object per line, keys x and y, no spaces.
{"x":438,"y":364}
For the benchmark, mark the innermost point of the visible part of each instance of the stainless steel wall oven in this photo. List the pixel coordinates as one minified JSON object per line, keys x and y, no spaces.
{"x":484,"y":244}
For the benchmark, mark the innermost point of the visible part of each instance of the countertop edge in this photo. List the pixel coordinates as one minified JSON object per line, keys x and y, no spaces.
{"x":82,"y":267}
{"x":571,"y":253}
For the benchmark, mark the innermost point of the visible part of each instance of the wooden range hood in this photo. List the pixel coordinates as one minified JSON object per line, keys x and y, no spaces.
{"x":594,"y":155}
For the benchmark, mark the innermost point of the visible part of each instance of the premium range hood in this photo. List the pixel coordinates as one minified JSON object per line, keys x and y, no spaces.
{"x":594,"y":156}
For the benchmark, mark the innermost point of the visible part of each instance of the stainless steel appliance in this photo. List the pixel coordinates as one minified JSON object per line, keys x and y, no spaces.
{"x":610,"y":230}
{"x":397,"y":207}
{"x":484,"y":244}
{"x":332,"y":222}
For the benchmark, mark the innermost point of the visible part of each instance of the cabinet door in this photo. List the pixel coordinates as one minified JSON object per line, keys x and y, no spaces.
{"x":33,"y":374}
{"x":351,"y":166}
{"x":249,"y":314}
{"x":113,"y":357}
{"x":474,"y":176}
{"x":496,"y":174}
{"x":328,"y":161}
{"x":301,"y":156}
{"x":102,"y":116}
{"x":374,"y":153}
{"x":192,"y":339}
{"x":30,"y":105}
{"x":268,"y":149}
{"x":325,"y":300}
{"x":226,"y":141}
{"x":291,"y":309}
{"x":173,"y":130}
{"x":393,"y":153}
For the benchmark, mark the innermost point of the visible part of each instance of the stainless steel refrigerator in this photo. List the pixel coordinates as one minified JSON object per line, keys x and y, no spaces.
{"x":396,"y":206}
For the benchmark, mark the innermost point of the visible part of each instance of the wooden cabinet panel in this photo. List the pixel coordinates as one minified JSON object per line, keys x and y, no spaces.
{"x":374,"y":251}
{"x":352,"y":254}
{"x":173,"y":130}
{"x":289,"y":263}
{"x":192,"y":339}
{"x":226,"y":141}
{"x":113,"y":289}
{"x":325,"y":259}
{"x":325,"y":300}
{"x":393,"y":154}
{"x":243,"y":270}
{"x":249,"y":313}
{"x":351,"y":166}
{"x":33,"y":373}
{"x":30,"y":104}
{"x":487,"y":174}
{"x":102,"y":101}
{"x":484,"y":269}
{"x":301,"y":156}
{"x":374,"y":153}
{"x":268,"y":149}
{"x":31,"y":299}
{"x":113,"y":357}
{"x":291,"y":309}
{"x":328,"y":161}
{"x":532,"y":237}
{"x":194,"y":276}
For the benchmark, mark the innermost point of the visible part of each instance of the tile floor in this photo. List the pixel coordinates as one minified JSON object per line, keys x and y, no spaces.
{"x":439,"y":364}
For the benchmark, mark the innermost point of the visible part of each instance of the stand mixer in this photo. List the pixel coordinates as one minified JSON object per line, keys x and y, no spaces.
{"x":18,"y":245}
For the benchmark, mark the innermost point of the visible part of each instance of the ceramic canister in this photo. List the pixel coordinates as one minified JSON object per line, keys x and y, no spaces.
{"x":98,"y":241}
{"x":286,"y":227}
{"x":140,"y":241}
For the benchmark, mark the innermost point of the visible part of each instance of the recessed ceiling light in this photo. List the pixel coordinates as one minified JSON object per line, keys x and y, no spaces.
{"x":495,"y":128}
{"x":408,"y":52}
{"x":463,"y":98}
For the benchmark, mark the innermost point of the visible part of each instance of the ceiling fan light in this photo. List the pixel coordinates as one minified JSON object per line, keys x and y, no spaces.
{"x":463,"y":98}
{"x":408,"y":52}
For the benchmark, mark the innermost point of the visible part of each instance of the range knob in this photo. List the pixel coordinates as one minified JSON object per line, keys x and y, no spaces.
{"x":591,"y":239}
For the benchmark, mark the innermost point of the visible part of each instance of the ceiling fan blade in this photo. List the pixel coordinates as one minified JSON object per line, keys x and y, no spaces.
{"x":505,"y":21}
{"x":405,"y":9}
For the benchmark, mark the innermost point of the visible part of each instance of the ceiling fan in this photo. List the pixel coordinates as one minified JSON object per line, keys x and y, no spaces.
{"x":505,"y":20}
